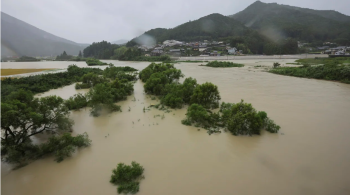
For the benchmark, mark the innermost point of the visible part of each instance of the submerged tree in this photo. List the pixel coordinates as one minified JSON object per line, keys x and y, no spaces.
{"x":206,"y":95}
{"x":127,"y":177}
{"x":23,"y":116}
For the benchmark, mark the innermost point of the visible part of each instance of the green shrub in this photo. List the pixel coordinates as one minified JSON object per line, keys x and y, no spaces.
{"x":63,"y":146}
{"x":82,"y":86}
{"x":60,"y":146}
{"x":94,"y":62}
{"x":243,"y":119}
{"x":76,"y":102}
{"x":104,"y":95}
{"x":127,"y":177}
{"x":206,"y":95}
{"x":197,"y":115}
{"x":146,"y":73}
{"x":239,"y":119}
{"x":223,"y":64}
{"x":114,"y":72}
{"x":276,"y":65}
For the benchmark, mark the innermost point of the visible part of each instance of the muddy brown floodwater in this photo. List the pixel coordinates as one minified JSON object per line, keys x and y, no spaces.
{"x":310,"y":154}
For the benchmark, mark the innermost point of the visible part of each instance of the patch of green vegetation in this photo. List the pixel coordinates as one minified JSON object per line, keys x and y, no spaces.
{"x":95,"y":62}
{"x":89,"y":80}
{"x":222,"y":64}
{"x":276,"y":65}
{"x":76,"y":102}
{"x":104,"y":95}
{"x":127,"y":177}
{"x":297,"y":63}
{"x":332,"y":69}
{"x":23,"y":116}
{"x":239,"y":119}
{"x":190,"y":61}
{"x":162,"y":80}
{"x":61,"y":147}
{"x":325,"y":61}
{"x":44,"y":82}
{"x":27,"y":59}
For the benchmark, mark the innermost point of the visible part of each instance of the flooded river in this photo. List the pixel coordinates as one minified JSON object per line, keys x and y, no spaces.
{"x":310,"y":154}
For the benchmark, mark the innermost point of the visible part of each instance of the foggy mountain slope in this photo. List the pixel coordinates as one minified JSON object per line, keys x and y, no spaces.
{"x":20,"y":38}
{"x":210,"y":27}
{"x":300,"y":23}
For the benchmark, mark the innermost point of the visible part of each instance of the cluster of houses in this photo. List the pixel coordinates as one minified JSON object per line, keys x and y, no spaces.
{"x":340,"y":50}
{"x":200,"y":48}
{"x":328,"y":49}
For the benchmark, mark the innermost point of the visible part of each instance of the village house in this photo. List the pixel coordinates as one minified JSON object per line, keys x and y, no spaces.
{"x":232,"y":51}
{"x":157,"y":52}
{"x":175,"y":52}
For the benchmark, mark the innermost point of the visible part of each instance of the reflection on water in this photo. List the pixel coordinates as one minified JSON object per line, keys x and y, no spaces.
{"x":309,"y":156}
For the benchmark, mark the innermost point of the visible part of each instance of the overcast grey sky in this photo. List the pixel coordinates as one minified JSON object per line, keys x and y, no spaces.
{"x":87,"y":21}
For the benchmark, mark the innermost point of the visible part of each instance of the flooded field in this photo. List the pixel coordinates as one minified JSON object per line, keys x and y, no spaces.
{"x":308,"y":156}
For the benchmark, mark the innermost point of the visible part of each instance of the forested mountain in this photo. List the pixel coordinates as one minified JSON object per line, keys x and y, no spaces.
{"x":100,"y":50}
{"x":282,"y":21}
{"x":209,"y":27}
{"x":20,"y":38}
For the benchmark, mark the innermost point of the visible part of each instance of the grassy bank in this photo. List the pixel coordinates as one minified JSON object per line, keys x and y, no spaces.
{"x":7,"y":72}
{"x":333,"y":69}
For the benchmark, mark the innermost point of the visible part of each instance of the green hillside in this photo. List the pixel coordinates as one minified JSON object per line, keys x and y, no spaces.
{"x":209,"y":27}
{"x":282,"y":21}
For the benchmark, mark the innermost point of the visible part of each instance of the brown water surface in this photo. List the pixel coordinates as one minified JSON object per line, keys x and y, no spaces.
{"x":309,"y":156}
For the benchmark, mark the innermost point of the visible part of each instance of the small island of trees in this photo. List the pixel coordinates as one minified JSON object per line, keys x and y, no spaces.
{"x":27,"y":59}
{"x":127,"y":177}
{"x":239,"y":119}
{"x":223,"y":64}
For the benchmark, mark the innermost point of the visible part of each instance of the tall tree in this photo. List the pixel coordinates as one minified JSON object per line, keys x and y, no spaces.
{"x":23,"y":116}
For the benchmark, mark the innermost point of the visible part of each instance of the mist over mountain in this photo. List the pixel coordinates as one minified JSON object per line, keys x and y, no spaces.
{"x":120,"y":42}
{"x":208,"y":27}
{"x":19,"y":38}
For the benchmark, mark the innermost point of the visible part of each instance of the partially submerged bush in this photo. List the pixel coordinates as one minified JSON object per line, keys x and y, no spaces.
{"x":125,"y":72}
{"x":104,"y":95}
{"x":94,"y":62}
{"x":197,"y":115}
{"x":63,"y":146}
{"x":60,"y":146}
{"x":146,"y":73}
{"x":243,"y":119}
{"x":239,"y":119}
{"x":223,"y":64}
{"x":206,"y":95}
{"x":127,"y":177}
{"x":276,"y":65}
{"x":76,"y":102}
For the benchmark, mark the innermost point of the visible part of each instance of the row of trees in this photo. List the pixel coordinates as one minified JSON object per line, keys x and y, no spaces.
{"x":100,"y":50}
{"x":240,"y":118}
